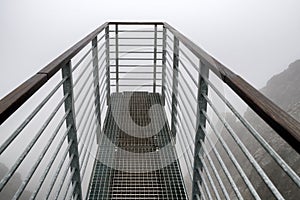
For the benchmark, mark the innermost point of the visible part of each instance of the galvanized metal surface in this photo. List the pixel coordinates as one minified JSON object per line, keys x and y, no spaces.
{"x":200,"y":122}
{"x":286,"y":126}
{"x":123,"y":46}
{"x":117,"y":56}
{"x":107,"y":73}
{"x":135,"y":181}
{"x":163,"y":88}
{"x":96,"y":85}
{"x":175,"y":86}
{"x":72,"y":134}
{"x":154,"y":58}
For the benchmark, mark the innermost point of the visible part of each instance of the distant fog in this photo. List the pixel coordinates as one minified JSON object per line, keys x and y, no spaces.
{"x":256,"y":39}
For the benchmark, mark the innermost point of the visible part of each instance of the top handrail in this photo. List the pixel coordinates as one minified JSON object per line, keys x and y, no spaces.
{"x":11,"y":102}
{"x":285,"y":125}
{"x":15,"y":99}
{"x":136,"y":23}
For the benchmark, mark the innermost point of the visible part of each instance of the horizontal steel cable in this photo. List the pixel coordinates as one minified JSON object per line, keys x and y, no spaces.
{"x":30,"y":117}
{"x":10,"y":173}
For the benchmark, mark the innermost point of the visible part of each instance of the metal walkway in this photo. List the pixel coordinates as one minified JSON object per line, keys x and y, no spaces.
{"x":161,"y":116}
{"x":137,"y":172}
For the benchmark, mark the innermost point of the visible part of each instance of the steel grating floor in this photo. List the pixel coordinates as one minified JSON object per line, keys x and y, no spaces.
{"x":130,"y":166}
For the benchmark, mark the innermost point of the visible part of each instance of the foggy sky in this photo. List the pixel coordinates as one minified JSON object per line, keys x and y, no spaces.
{"x":254,"y":38}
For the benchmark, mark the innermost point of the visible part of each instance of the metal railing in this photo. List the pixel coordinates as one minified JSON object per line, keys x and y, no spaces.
{"x":219,"y":157}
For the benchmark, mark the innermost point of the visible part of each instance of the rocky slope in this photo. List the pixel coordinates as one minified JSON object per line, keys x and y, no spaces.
{"x":12,"y":186}
{"x":284,"y":90}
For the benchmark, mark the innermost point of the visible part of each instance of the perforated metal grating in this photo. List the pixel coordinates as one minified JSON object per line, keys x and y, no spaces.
{"x":130,"y":167}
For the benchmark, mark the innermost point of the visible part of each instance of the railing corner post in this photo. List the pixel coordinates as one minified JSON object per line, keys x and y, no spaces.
{"x":175,"y":87}
{"x":200,"y":122}
{"x":71,"y":122}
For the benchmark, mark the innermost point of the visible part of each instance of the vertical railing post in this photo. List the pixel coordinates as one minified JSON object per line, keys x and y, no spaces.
{"x":117,"y":57}
{"x":107,"y":64}
{"x":96,"y":86}
{"x":200,"y":122}
{"x":175,"y":86}
{"x":155,"y":58}
{"x":163,"y":81}
{"x":71,"y":122}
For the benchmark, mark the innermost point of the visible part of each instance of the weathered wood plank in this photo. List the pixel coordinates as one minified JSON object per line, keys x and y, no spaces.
{"x":64,"y":58}
{"x":284,"y":124}
{"x":11,"y":102}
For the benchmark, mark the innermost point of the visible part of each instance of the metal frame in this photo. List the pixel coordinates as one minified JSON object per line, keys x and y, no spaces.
{"x":107,"y":65}
{"x":181,"y":113}
{"x":175,"y":87}
{"x":117,"y":57}
{"x":70,"y":122}
{"x":96,"y":86}
{"x":163,"y":97}
{"x":200,"y":122}
{"x":154,"y":58}
{"x":285,"y":125}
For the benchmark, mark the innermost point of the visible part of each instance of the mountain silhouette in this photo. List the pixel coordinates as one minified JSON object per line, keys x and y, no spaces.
{"x":12,"y":186}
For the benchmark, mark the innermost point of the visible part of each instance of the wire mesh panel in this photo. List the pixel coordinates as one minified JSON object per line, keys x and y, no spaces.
{"x":171,"y":122}
{"x":130,"y":164}
{"x":59,"y":124}
{"x":225,"y":154}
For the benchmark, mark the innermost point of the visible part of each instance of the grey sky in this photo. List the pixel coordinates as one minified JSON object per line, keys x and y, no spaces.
{"x":256,"y":38}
